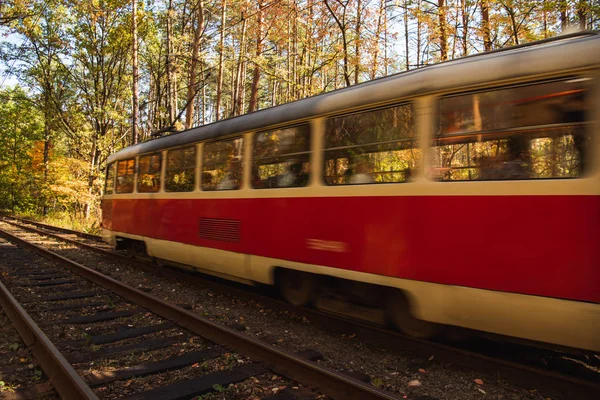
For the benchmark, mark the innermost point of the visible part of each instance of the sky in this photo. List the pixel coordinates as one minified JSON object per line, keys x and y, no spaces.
{"x":9,"y":80}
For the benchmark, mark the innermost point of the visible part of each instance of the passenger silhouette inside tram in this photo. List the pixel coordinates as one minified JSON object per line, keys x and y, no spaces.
{"x":513,"y":164}
{"x":361,"y":173}
{"x":517,"y":164}
{"x":207,"y":179}
{"x":294,"y":176}
{"x":228,"y":181}
{"x":574,"y":112}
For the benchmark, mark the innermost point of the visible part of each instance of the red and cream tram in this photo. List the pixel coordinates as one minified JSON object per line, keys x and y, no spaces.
{"x":465,"y":193}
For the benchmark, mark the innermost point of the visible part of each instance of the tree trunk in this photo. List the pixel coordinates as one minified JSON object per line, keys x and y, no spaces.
{"x":288,"y":87}
{"x":545,"y":18}
{"x":221,"y":50}
{"x":192,"y":79}
{"x":253,"y":105}
{"x":465,"y":27}
{"x":581,"y":14}
{"x":47,"y":143}
{"x":341,"y":23}
{"x":564,"y":17}
{"x":239,"y":78}
{"x":406,"y":37}
{"x":357,"y":42}
{"x":442,"y":27}
{"x":513,"y":23}
{"x":171,"y":90}
{"x":375,"y":64}
{"x":385,"y":43}
{"x":136,"y":100}
{"x":485,"y":26}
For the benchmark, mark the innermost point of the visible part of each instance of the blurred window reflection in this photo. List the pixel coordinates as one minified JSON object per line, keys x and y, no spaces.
{"x":527,"y":132}
{"x":180,"y":173}
{"x":149,"y":173}
{"x":376,"y":146}
{"x":125,"y":174}
{"x":109,"y":185}
{"x":222,"y":165}
{"x":281,"y":158}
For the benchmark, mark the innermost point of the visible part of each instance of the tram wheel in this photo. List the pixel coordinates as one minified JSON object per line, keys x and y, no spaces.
{"x":399,"y":315}
{"x":296,"y":287}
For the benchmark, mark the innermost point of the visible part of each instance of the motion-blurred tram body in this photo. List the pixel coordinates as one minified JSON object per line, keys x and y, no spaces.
{"x":465,"y":193}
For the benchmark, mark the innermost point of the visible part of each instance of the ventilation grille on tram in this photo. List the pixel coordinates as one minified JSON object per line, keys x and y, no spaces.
{"x":224,"y":230}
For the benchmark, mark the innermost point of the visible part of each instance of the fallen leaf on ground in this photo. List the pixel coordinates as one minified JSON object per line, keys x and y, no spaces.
{"x":479,"y":381}
{"x":414,"y":382}
{"x":421,"y":370}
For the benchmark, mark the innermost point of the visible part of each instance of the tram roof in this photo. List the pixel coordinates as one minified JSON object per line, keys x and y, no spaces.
{"x":539,"y":58}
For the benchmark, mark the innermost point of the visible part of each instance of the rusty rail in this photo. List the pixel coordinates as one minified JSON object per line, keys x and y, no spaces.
{"x":65,"y":380}
{"x":54,"y":228}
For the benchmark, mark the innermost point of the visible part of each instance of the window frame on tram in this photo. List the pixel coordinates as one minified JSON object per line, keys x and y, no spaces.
{"x":229,"y":170}
{"x":363,"y":170}
{"x":157,"y":173}
{"x":181,"y":170}
{"x":130,"y":174}
{"x":513,"y":159}
{"x":110,"y":175}
{"x":290,"y":168}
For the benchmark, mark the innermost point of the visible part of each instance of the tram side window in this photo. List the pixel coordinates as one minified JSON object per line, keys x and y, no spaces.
{"x":180,"y":173}
{"x":281,"y":158}
{"x":532,"y":131}
{"x":376,"y":146}
{"x":109,"y":185}
{"x":222,"y":165}
{"x":125,"y":175}
{"x":149,"y":173}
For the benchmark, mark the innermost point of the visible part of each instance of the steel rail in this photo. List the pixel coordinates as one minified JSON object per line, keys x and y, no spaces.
{"x":56,"y":228}
{"x":61,"y":374}
{"x":519,"y":374}
{"x":331,"y":383}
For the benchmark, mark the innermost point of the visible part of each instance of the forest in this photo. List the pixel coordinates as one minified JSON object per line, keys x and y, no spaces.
{"x":80,"y":80}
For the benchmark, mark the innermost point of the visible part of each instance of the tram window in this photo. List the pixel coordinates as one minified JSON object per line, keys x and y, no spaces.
{"x":180,"y":174}
{"x":125,"y":175}
{"x":149,"y":173}
{"x":222,"y":165}
{"x":109,"y":185}
{"x":281,"y":158}
{"x":376,"y":146}
{"x":532,"y":131}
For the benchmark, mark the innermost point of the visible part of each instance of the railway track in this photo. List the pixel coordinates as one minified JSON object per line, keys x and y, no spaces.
{"x":77,"y":320}
{"x":521,"y":372}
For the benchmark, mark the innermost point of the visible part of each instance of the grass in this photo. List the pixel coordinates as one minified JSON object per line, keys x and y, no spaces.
{"x":69,"y":221}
